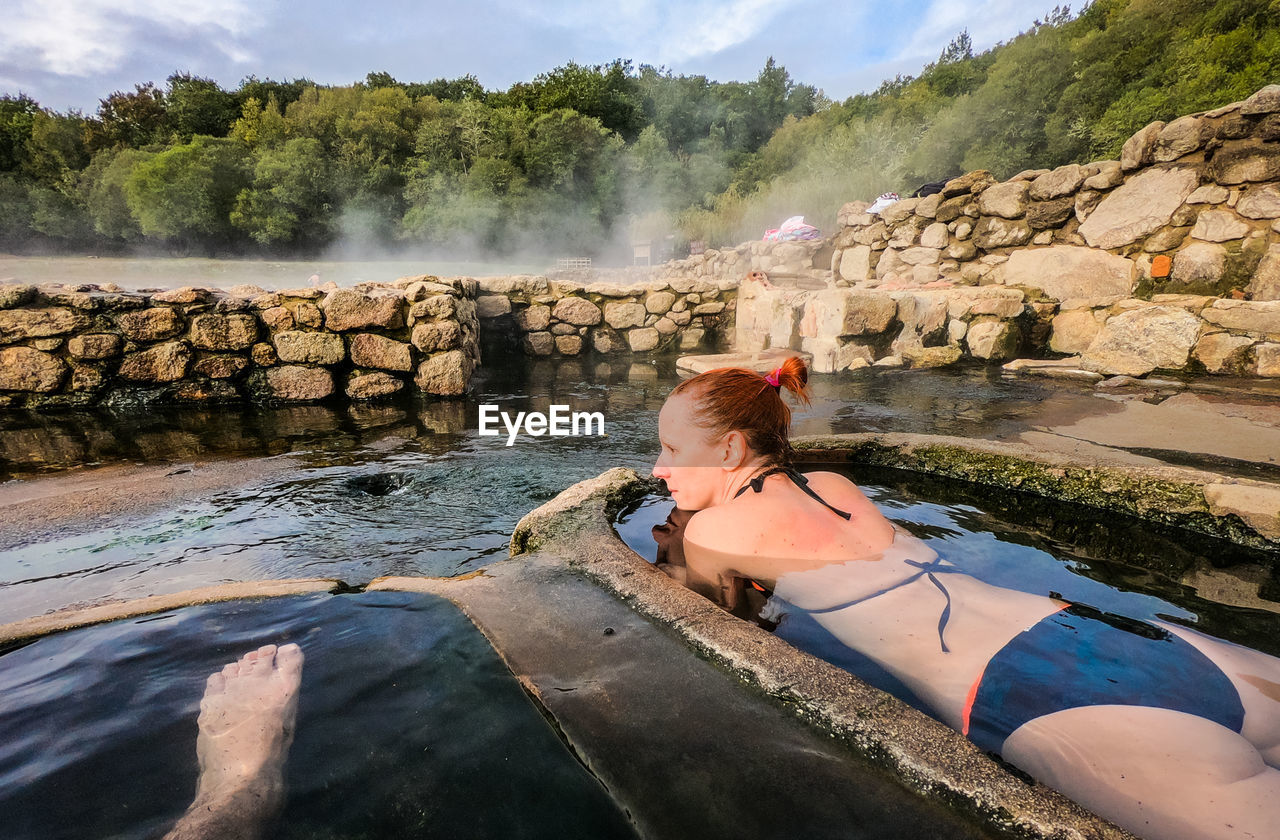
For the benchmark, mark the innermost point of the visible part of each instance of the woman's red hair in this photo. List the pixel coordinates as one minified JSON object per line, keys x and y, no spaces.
{"x":729,"y":399}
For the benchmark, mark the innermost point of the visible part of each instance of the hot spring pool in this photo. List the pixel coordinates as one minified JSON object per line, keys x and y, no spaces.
{"x":409,"y":724}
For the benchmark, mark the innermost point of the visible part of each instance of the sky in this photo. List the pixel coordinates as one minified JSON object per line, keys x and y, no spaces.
{"x":71,"y":53}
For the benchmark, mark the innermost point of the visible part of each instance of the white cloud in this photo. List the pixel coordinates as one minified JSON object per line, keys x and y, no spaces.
{"x":669,"y":32}
{"x":85,"y":37}
{"x":988,"y":22}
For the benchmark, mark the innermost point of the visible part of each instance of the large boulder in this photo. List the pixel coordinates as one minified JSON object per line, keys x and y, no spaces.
{"x":1265,"y":101}
{"x":993,"y":339}
{"x":1042,"y":215}
{"x":855,"y":263}
{"x":16,"y":294}
{"x":1260,"y":203}
{"x":1145,"y":203}
{"x":1224,"y":353}
{"x":1245,"y":162}
{"x":1219,"y":226}
{"x":447,"y":374}
{"x":223,"y":332}
{"x":1070,"y":271}
{"x":1063,"y":181}
{"x":376,"y":351}
{"x":295,"y":383}
{"x":1136,"y":342}
{"x":1180,"y":137}
{"x":659,"y":303}
{"x":577,"y":311}
{"x":1256,"y":317}
{"x":492,"y":306}
{"x":17,"y":324}
{"x":1199,"y":263}
{"x":1266,"y":279}
{"x":150,"y":324}
{"x":621,"y":315}
{"x":166,"y":362}
{"x":535,"y":318}
{"x":370,"y":386}
{"x":317,"y":348}
{"x":1007,"y":200}
{"x":94,"y":346}
{"x":1073,"y":331}
{"x":439,"y":335}
{"x":27,"y":369}
{"x":643,"y":340}
{"x":994,"y":232}
{"x":1139,"y":149}
{"x":352,"y":309}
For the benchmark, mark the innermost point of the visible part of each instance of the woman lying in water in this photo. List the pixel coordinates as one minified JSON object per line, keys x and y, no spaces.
{"x":1165,"y":731}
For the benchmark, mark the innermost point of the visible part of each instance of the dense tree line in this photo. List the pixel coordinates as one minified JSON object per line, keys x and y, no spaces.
{"x":580,"y":157}
{"x":570,"y":161}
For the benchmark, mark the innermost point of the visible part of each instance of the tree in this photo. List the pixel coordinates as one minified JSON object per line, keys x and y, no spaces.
{"x":197,"y":105}
{"x":186,"y":193}
{"x":288,"y":202}
{"x":131,"y":119}
{"x":606,"y":92}
{"x":102,"y":191}
{"x":17,"y":117}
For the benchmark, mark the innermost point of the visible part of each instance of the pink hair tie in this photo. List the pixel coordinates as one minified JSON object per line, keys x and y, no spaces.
{"x":772,"y":378}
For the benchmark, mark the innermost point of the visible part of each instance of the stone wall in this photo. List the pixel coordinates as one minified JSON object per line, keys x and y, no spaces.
{"x":1167,"y":259}
{"x":669,"y":312}
{"x":87,"y":345}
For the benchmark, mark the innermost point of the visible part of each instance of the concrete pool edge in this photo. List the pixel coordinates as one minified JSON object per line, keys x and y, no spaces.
{"x":925,"y":755}
{"x":73,"y":618}
{"x":1242,"y":511}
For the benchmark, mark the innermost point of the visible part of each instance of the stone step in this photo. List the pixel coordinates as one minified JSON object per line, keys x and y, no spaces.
{"x":764,"y":361}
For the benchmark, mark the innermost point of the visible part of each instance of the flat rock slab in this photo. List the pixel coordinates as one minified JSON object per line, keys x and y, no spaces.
{"x":1185,"y":423}
{"x":764,"y":361}
{"x":681,"y":744}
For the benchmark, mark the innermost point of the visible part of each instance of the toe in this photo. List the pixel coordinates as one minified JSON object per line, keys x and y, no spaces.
{"x":231,"y":670}
{"x":289,"y":659}
{"x":216,"y":684}
{"x":263,"y":660}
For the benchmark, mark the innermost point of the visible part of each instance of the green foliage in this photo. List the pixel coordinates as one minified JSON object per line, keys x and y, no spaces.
{"x":199,"y":106}
{"x":102,"y":191}
{"x":287,"y":202}
{"x":131,"y":119}
{"x":186,"y":193}
{"x":17,"y":118}
{"x":580,"y":154}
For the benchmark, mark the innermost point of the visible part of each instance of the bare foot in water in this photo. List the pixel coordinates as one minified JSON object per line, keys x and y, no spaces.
{"x":246,"y":726}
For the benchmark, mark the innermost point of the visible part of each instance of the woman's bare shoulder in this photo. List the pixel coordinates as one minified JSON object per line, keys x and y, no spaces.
{"x":833,"y":486}
{"x":729,"y":528}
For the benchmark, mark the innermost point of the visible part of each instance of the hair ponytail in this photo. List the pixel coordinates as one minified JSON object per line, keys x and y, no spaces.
{"x":738,"y":399}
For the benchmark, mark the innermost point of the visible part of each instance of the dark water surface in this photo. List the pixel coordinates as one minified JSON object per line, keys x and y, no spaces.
{"x":409,"y":725}
{"x":401,"y":488}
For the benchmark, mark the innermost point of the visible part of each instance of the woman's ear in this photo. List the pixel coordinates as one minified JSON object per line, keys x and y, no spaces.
{"x":734,"y":452}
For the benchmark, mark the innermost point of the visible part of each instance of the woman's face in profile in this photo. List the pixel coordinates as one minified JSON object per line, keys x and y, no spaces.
{"x":690,"y":464}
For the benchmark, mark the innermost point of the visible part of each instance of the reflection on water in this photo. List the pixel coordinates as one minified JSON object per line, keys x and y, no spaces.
{"x":408,"y":725}
{"x":406,"y":487}
{"x":975,"y":403}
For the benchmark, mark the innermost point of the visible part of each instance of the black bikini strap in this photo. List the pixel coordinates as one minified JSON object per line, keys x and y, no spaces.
{"x":757,"y":484}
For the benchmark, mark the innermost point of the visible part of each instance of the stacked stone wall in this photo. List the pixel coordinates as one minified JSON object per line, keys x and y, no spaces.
{"x":670,"y":312}
{"x":1167,"y":259}
{"x":87,"y":345}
